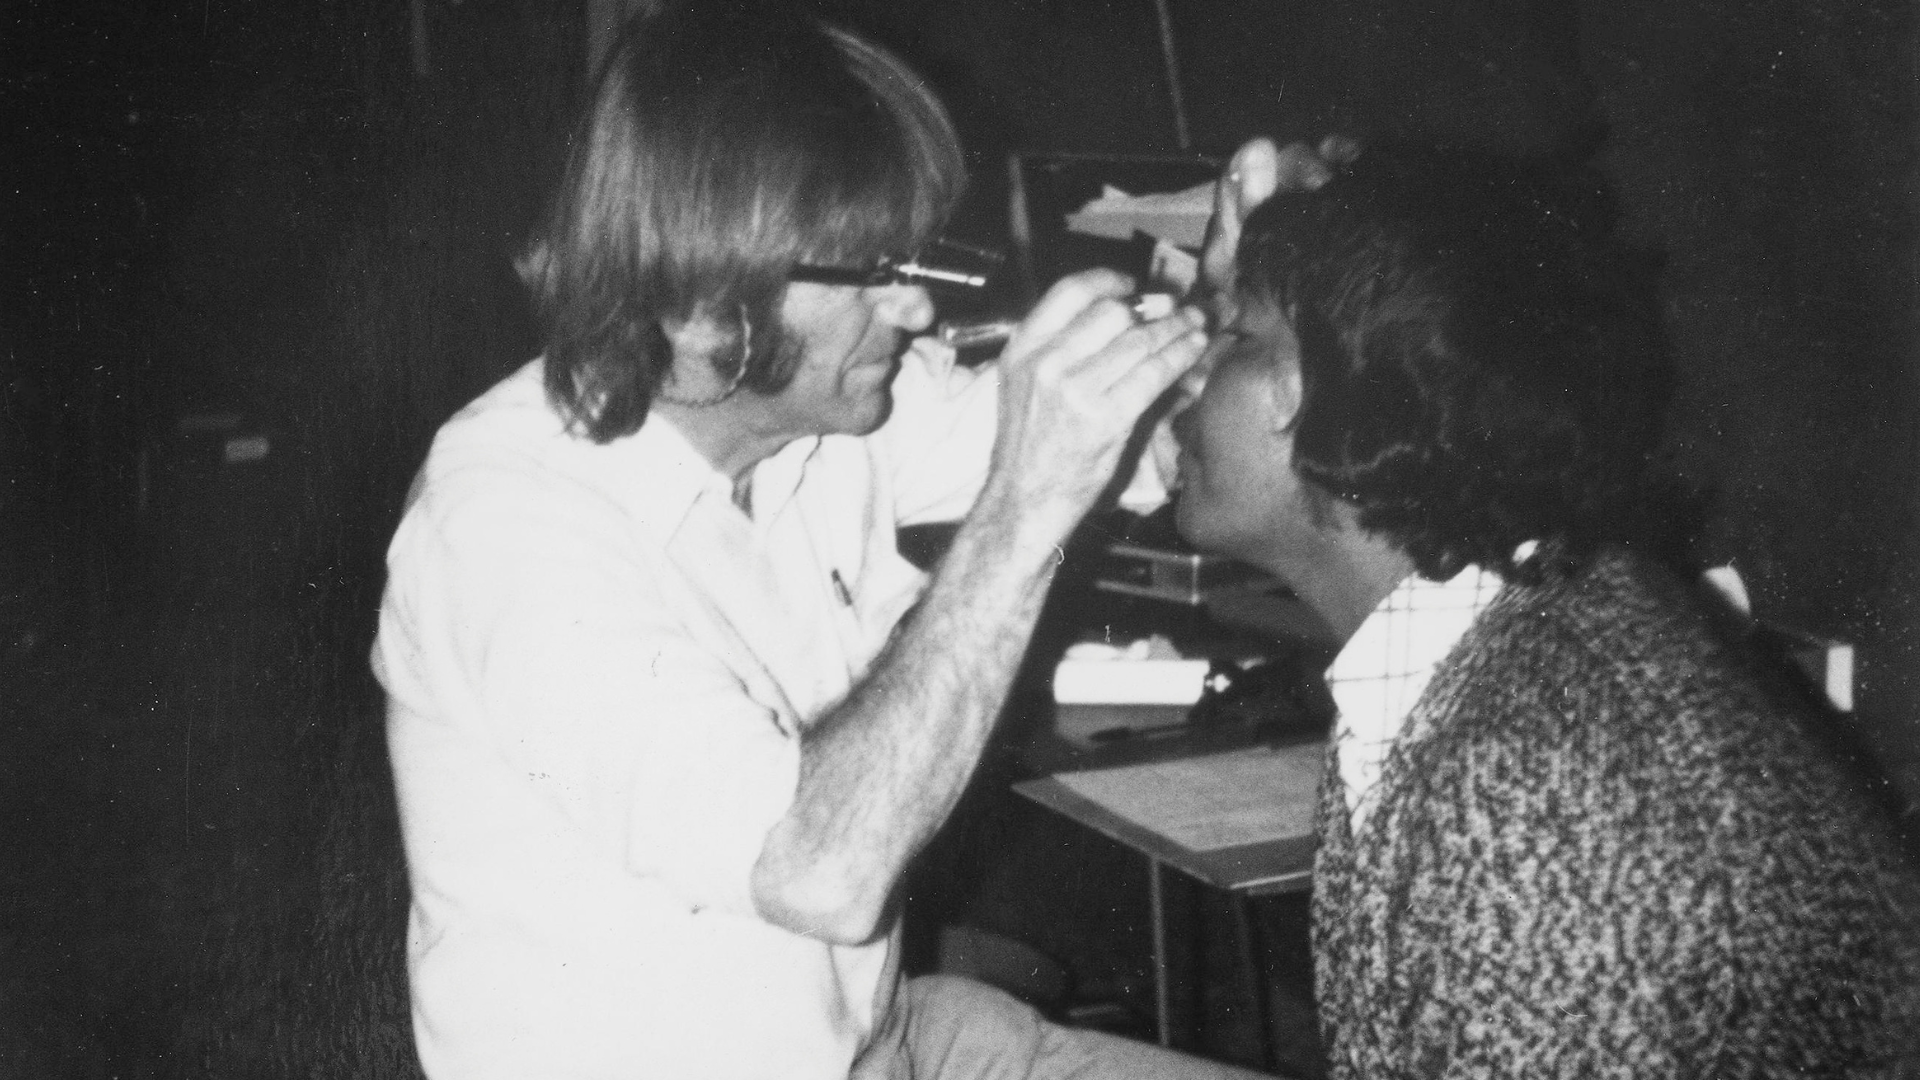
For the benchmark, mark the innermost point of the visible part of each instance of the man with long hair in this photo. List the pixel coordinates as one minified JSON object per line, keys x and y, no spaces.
{"x":669,"y":712}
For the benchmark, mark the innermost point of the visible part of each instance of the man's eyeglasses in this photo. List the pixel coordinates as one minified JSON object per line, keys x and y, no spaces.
{"x":942,"y":262}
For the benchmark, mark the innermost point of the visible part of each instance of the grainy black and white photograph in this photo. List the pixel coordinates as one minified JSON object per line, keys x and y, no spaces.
{"x":995,"y":540}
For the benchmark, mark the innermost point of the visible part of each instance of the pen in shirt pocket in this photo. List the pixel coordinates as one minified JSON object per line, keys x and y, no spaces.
{"x":840,"y":589}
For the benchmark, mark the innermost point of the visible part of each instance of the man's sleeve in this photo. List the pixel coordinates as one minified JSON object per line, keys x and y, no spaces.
{"x":939,"y":440}
{"x":545,"y":641}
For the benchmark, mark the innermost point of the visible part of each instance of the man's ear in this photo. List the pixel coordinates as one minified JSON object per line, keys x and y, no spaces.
{"x":699,"y":344}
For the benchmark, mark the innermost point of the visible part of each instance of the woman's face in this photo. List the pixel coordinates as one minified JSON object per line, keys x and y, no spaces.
{"x":1239,"y":495}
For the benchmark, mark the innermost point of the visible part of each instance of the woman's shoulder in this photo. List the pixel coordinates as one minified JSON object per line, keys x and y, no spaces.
{"x":1621,"y":628}
{"x":1624,"y":683}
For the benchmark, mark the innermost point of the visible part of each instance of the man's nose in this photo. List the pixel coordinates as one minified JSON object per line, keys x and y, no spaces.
{"x":905,"y":306}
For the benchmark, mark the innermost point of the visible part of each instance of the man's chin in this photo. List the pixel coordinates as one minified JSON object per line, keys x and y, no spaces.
{"x":881,"y":403}
{"x":877,"y":413}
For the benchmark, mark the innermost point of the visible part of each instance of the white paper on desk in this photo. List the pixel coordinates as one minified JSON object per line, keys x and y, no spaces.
{"x":1177,"y":217}
{"x":1212,"y":802}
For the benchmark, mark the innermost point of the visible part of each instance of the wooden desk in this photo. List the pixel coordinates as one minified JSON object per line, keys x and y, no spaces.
{"x":1118,"y":803}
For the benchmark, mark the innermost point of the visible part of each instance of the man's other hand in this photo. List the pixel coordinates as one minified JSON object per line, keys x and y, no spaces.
{"x":1257,"y":171}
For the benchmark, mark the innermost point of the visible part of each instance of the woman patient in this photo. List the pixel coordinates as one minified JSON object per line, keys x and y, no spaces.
{"x":1568,"y":831}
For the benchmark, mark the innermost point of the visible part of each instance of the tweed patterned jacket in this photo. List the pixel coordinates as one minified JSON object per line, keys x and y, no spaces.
{"x":1603,"y":849}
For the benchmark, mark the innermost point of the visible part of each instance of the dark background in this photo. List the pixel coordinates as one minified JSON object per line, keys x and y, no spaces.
{"x":282,"y":220}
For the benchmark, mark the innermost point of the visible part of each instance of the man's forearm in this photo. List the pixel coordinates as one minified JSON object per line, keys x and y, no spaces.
{"x":880,"y":772}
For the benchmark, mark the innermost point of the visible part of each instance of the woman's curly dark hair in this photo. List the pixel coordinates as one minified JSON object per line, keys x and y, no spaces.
{"x":1483,"y":363}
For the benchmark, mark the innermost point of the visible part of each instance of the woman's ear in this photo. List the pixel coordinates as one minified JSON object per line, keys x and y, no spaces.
{"x":1287,"y":385}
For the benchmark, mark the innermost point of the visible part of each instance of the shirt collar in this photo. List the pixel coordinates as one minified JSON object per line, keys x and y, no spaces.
{"x":668,"y":477}
{"x":1414,"y":627}
{"x":1381,"y":672}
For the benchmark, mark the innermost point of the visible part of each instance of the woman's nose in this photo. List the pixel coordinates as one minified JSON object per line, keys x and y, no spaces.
{"x":1180,"y":424}
{"x":1189,"y":387}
